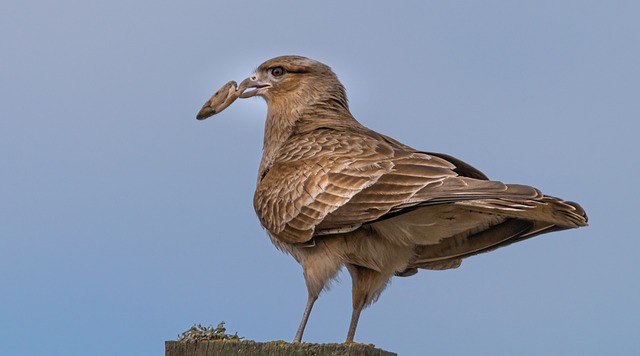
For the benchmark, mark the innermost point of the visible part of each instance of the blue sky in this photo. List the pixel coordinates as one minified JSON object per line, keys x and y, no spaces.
{"x":124,"y":221}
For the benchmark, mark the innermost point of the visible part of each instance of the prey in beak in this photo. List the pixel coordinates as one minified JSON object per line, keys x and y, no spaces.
{"x":229,"y":92}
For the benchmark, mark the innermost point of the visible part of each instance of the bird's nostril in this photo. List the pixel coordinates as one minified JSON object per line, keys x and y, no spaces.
{"x":254,"y":77}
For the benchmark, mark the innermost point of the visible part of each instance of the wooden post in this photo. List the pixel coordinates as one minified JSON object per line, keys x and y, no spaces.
{"x":273,"y":348}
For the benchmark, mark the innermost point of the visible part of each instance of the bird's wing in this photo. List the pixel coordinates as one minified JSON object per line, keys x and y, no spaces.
{"x":326,"y":182}
{"x":461,"y":168}
{"x":445,"y":234}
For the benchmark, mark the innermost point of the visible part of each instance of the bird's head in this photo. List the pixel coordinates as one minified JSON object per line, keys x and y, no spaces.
{"x":292,"y":86}
{"x":294,"y":78}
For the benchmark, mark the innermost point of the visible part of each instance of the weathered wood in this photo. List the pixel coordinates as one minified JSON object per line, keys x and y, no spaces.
{"x":273,"y":348}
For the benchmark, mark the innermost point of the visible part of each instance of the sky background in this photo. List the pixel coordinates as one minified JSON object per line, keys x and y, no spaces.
{"x":124,"y":221}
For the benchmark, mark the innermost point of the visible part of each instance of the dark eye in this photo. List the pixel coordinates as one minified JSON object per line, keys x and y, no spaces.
{"x":277,"y":71}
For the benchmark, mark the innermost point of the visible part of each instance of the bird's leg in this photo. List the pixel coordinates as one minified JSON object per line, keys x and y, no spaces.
{"x":367,"y":286}
{"x":355,"y":315}
{"x":319,"y":266}
{"x":305,"y":317}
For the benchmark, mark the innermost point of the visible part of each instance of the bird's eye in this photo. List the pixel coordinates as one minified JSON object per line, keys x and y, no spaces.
{"x":277,"y":71}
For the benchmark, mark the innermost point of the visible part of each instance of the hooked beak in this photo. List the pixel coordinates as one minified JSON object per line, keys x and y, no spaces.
{"x":260,"y":86}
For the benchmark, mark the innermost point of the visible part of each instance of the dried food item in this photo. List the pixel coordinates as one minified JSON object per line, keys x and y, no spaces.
{"x":224,"y":97}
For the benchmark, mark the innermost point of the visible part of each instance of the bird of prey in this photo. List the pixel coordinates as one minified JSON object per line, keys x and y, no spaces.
{"x":333,"y":193}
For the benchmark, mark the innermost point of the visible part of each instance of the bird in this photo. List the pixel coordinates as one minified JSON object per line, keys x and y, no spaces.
{"x":335,"y":194}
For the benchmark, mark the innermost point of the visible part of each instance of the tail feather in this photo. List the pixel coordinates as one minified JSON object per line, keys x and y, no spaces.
{"x":548,"y":209}
{"x":521,"y":220}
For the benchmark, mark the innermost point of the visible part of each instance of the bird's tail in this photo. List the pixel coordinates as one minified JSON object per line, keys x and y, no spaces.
{"x":524,"y":220}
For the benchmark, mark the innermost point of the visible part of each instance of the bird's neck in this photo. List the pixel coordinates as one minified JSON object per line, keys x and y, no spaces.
{"x":279,"y":126}
{"x":287,"y":119}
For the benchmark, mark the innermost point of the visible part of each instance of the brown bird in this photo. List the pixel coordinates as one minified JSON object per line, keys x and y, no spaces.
{"x":334,"y":193}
